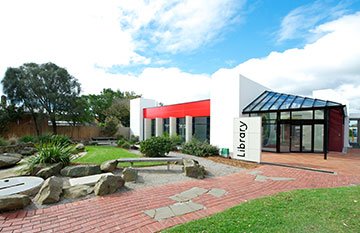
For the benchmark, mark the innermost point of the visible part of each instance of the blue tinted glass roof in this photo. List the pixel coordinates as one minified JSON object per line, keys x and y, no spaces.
{"x":272,"y":101}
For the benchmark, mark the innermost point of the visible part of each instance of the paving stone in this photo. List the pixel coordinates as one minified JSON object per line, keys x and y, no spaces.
{"x":195,"y":206}
{"x":179,"y":198}
{"x":163,"y":213}
{"x":217,"y":192}
{"x":150,"y":213}
{"x":261,"y":178}
{"x":192,"y":193}
{"x":255,"y":172}
{"x":280,"y":178}
{"x":181,"y":209}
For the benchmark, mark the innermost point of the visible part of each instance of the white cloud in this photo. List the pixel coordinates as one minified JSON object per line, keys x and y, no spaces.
{"x":177,"y":26}
{"x":300,"y":22}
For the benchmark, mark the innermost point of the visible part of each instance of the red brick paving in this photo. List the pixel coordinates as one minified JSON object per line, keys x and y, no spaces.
{"x":123,"y":212}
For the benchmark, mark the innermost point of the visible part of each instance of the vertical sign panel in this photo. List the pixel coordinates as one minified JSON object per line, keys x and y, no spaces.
{"x":247,"y":139}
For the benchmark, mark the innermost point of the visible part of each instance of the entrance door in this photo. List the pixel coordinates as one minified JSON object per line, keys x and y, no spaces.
{"x":295,"y":138}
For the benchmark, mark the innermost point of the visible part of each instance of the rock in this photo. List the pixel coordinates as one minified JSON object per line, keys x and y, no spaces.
{"x":9,"y":159}
{"x":80,"y":170}
{"x":50,"y":191}
{"x":129,"y":174}
{"x":50,"y":170}
{"x":108,"y":184}
{"x":27,"y":151}
{"x":80,"y":147}
{"x":109,"y":166}
{"x":193,"y":169}
{"x":77,"y":191}
{"x":13,"y":202}
{"x":15,"y":148}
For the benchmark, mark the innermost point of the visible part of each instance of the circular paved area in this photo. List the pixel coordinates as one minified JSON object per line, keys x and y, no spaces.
{"x":125,"y":211}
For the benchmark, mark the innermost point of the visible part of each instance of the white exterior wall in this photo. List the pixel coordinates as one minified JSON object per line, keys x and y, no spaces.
{"x":188,"y":129}
{"x":172,"y":126}
{"x":230,"y":94}
{"x":159,"y":127}
{"x":147,"y":128}
{"x":136,"y":115}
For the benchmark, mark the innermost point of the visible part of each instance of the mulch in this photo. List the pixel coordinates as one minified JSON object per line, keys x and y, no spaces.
{"x":233,"y":162}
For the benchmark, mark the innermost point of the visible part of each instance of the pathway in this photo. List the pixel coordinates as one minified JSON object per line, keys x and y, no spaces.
{"x":133,"y":211}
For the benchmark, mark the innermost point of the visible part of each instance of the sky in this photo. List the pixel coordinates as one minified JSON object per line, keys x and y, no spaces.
{"x":170,"y":50}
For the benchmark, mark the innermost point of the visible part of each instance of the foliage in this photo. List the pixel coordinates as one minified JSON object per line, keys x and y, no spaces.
{"x":123,"y":143}
{"x":156,"y":146}
{"x":134,"y":139}
{"x":28,"y":138}
{"x":100,"y":154}
{"x":316,"y":210}
{"x":13,"y":140}
{"x":57,"y":139}
{"x":199,"y":148}
{"x":110,"y":127}
{"x":45,"y":88}
{"x":111,"y":103}
{"x":3,"y":142}
{"x":8,"y":114}
{"x":49,"y":153}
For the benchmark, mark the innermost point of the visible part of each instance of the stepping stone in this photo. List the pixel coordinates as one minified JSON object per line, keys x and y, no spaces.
{"x":261,"y":178}
{"x":87,"y":180}
{"x":181,"y":208}
{"x":150,"y":213}
{"x":163,"y":213}
{"x":217,"y":192}
{"x":281,"y":179}
{"x":255,"y":172}
{"x":189,"y":194}
{"x":195,"y":206}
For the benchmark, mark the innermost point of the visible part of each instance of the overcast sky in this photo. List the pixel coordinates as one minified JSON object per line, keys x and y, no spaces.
{"x":169,"y":50}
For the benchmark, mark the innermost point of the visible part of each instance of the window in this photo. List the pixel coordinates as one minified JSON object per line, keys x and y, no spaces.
{"x":153,"y":126}
{"x":201,"y":128}
{"x":301,"y":115}
{"x":166,"y":126}
{"x":319,"y":114}
{"x":181,"y":127}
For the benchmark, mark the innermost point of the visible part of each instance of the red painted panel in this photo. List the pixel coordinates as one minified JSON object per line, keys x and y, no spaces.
{"x":195,"y":109}
{"x":336,"y":130}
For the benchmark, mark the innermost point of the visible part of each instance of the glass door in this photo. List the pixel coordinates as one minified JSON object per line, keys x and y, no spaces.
{"x":306,"y":138}
{"x":285,"y":137}
{"x":295,"y":138}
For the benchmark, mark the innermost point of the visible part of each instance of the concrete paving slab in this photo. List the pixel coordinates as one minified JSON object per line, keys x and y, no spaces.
{"x":178,"y":198}
{"x":217,"y":192}
{"x":150,"y":213}
{"x":255,"y":172}
{"x":195,"y":206}
{"x":192,"y":193}
{"x":281,"y":178}
{"x":181,"y":209}
{"x":261,"y":178}
{"x":163,"y":213}
{"x":87,"y":180}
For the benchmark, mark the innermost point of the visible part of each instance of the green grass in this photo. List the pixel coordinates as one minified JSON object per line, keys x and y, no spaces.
{"x":100,"y":154}
{"x":316,"y":210}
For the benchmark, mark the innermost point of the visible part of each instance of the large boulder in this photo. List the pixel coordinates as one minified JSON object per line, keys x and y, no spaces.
{"x":27,"y":151}
{"x":80,"y":147}
{"x":129,"y":174}
{"x":50,"y":191}
{"x":9,"y":159}
{"x":49,"y":170}
{"x":109,"y":166}
{"x":80,"y":170}
{"x":77,"y":191}
{"x":13,"y":202}
{"x":108,"y":184}
{"x":193,"y":169}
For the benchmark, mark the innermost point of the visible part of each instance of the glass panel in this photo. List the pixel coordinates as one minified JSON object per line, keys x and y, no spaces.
{"x":308,"y":103}
{"x":319,"y":114}
{"x":181,"y":127}
{"x":285,"y":115}
{"x":295,"y":138}
{"x":318,"y":138}
{"x":255,"y":102}
{"x":201,"y":128}
{"x":153,"y":127}
{"x":278,"y":103}
{"x":166,"y":126}
{"x":306,"y":138}
{"x":267,"y":98}
{"x":329,"y":103}
{"x":353,"y":131}
{"x":284,"y":138}
{"x":319,"y":103}
{"x":298,"y":115}
{"x":287,"y":102}
{"x":269,"y":137}
{"x":297,"y":103}
{"x":270,"y":102}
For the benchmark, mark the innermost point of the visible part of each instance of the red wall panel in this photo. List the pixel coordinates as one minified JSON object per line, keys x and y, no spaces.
{"x":195,"y":109}
{"x":336,"y":130}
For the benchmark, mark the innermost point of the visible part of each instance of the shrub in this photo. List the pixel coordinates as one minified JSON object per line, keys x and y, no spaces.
{"x":156,"y":146}
{"x":3,"y":142}
{"x":13,"y":140}
{"x":123,"y":143}
{"x":134,"y":139}
{"x":27,"y":138}
{"x":54,"y":139}
{"x":49,"y":153}
{"x":176,"y":140}
{"x":198,"y":148}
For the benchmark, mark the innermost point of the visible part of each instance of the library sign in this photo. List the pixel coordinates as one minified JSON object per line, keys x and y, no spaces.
{"x":247,"y":139}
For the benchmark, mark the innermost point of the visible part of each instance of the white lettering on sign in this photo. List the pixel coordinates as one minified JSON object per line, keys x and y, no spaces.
{"x":241,"y":149}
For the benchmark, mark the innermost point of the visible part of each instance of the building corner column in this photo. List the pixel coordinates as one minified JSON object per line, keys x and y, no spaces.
{"x":159,"y":127}
{"x":172,"y":126}
{"x":147,"y":128}
{"x":188,"y":128}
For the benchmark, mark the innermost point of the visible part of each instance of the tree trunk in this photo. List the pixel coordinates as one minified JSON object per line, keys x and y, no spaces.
{"x":53,"y":122}
{"x":33,"y":114}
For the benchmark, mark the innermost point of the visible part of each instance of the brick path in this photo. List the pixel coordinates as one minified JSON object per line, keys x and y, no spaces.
{"x":123,"y":212}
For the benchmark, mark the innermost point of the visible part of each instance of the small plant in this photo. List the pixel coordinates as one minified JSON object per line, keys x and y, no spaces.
{"x":27,"y":138}
{"x":134,"y":139}
{"x":176,"y":141}
{"x":198,"y":148}
{"x":54,"y":139}
{"x":50,"y":153}
{"x":13,"y":140}
{"x":156,"y":146}
{"x":3,"y":142}
{"x":123,"y":143}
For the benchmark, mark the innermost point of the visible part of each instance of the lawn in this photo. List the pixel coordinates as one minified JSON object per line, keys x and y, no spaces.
{"x":316,"y":210}
{"x":100,"y":154}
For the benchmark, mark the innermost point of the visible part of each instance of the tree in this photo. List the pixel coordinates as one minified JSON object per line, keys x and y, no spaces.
{"x":45,"y":88}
